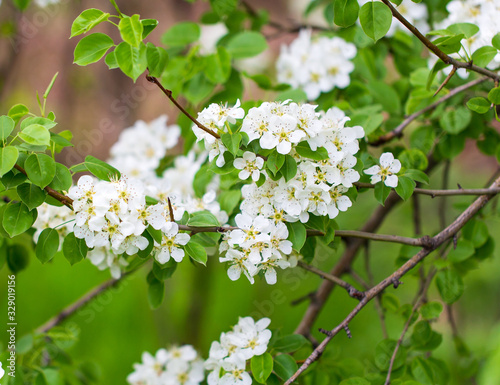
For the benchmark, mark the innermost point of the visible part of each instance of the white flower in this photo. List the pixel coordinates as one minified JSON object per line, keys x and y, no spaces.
{"x":2,"y":372}
{"x":386,"y":171}
{"x":249,"y":166}
{"x":251,"y":337}
{"x":283,"y":132}
{"x":169,"y":247}
{"x":239,"y":264}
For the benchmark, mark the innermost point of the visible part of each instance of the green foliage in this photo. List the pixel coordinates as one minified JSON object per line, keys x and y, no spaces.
{"x":375,"y":18}
{"x":47,"y":245}
{"x":262,"y":367}
{"x":92,"y":48}
{"x":345,"y":12}
{"x":246,"y":44}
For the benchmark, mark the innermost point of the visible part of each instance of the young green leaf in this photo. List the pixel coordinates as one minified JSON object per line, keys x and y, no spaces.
{"x":289,"y":169}
{"x":132,"y":61}
{"x":197,"y":252}
{"x":92,"y":48}
{"x":7,"y":124}
{"x":290,"y":343}
{"x":479,"y":105}
{"x":450,"y":285}
{"x":17,"y":258}
{"x":8,"y":159}
{"x":262,"y":367}
{"x":18,"y":111}
{"x":296,"y":234}
{"x":484,"y":55}
{"x":157,"y":59}
{"x":494,"y":95}
{"x":181,"y":34}
{"x":284,"y":366}
{"x":131,"y":30}
{"x":36,"y":135}
{"x":40,"y":169}
{"x":62,"y":180}
{"x":101,"y":169}
{"x":17,"y":218}
{"x":203,"y":219}
{"x":246,"y":44}
{"x":345,"y":12}
{"x":87,"y":20}
{"x":47,"y":245}
{"x":74,"y":249}
{"x":218,"y":66}
{"x":32,"y":195}
{"x":156,"y":293}
{"x":375,"y":18}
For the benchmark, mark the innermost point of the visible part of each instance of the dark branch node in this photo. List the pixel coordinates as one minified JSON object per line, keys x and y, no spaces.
{"x":355,"y":293}
{"x":327,"y":332}
{"x":347,"y":331}
{"x":396,"y":282}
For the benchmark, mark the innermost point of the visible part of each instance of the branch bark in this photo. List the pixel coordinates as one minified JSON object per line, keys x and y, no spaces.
{"x":438,"y":240}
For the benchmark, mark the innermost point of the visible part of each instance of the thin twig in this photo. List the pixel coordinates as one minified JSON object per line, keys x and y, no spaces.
{"x":416,"y":303}
{"x":169,"y":95}
{"x":65,"y":200}
{"x":432,"y":47}
{"x":351,"y":290}
{"x":398,"y":131}
{"x":437,"y":240}
{"x":448,"y":78}
{"x":437,"y":193}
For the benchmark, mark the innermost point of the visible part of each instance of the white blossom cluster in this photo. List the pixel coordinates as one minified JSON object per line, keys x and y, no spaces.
{"x":228,"y":357}
{"x":260,"y":242}
{"x":59,"y":218}
{"x":483,"y":13}
{"x":114,"y":214}
{"x":175,"y":366}
{"x":415,"y":13}
{"x":139,"y":149}
{"x":316,"y":64}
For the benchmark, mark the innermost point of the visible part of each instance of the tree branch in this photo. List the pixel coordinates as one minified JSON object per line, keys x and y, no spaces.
{"x":434,"y":49}
{"x":438,"y":240}
{"x":169,"y":95}
{"x":398,"y":131}
{"x":351,"y":290}
{"x":67,"y":201}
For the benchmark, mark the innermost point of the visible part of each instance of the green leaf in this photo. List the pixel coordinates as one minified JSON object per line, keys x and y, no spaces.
{"x":101,"y":169}
{"x":232,"y":142}
{"x":384,"y":352}
{"x":24,"y":344}
{"x":450,"y":44}
{"x":47,"y":123}
{"x":246,"y":44}
{"x":456,"y":120}
{"x":467,"y":29}
{"x":476,"y":231}
{"x":17,"y":258}
{"x":157,"y":59}
{"x":229,"y":200}
{"x":131,"y":30}
{"x":484,"y":55}
{"x":32,"y":196}
{"x":381,"y":192}
{"x":198,"y":88}
{"x":203,"y":219}
{"x":181,"y":34}
{"x":197,"y":252}
{"x":405,"y":187}
{"x":297,"y":234}
{"x":345,"y":12}
{"x":289,"y":169}
{"x":375,"y":18}
{"x":417,"y":175}
{"x":36,"y":134}
{"x":284,"y":366}
{"x":223,"y":7}
{"x":110,"y":60}
{"x":17,"y":218}
{"x":92,"y":48}
{"x":450,"y":285}
{"x":148,"y":25}
{"x":422,"y":371}
{"x":494,"y":95}
{"x":40,"y":169}
{"x":87,"y":20}
{"x":274,"y":162}
{"x":390,"y":302}
{"x":479,"y":105}
{"x":262,"y":367}
{"x":290,"y":343}
{"x":163,"y":272}
{"x":132,"y":61}
{"x":62,"y":180}
{"x":464,"y":250}
{"x":304,"y":150}
{"x":18,"y":111}
{"x":495,"y":42}
{"x":74,"y":249}
{"x":431,"y":310}
{"x":7,"y":125}
{"x":156,"y":293}
{"x":8,"y":159}
{"x":218,"y":66}
{"x":47,"y":245}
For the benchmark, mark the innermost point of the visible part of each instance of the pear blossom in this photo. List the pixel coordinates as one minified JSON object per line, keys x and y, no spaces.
{"x":386,"y":171}
{"x":249,"y":166}
{"x":169,"y":246}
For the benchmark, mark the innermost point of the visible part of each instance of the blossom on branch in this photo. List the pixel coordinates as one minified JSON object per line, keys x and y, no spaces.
{"x":386,"y":171}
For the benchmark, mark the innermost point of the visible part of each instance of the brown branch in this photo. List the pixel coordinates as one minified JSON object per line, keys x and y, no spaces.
{"x":398,"y":131}
{"x":351,"y":290}
{"x":432,"y":47}
{"x":169,"y":95}
{"x":67,"y":201}
{"x":85,"y":299}
{"x":448,"y":78}
{"x":437,"y":193}
{"x":438,"y":240}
